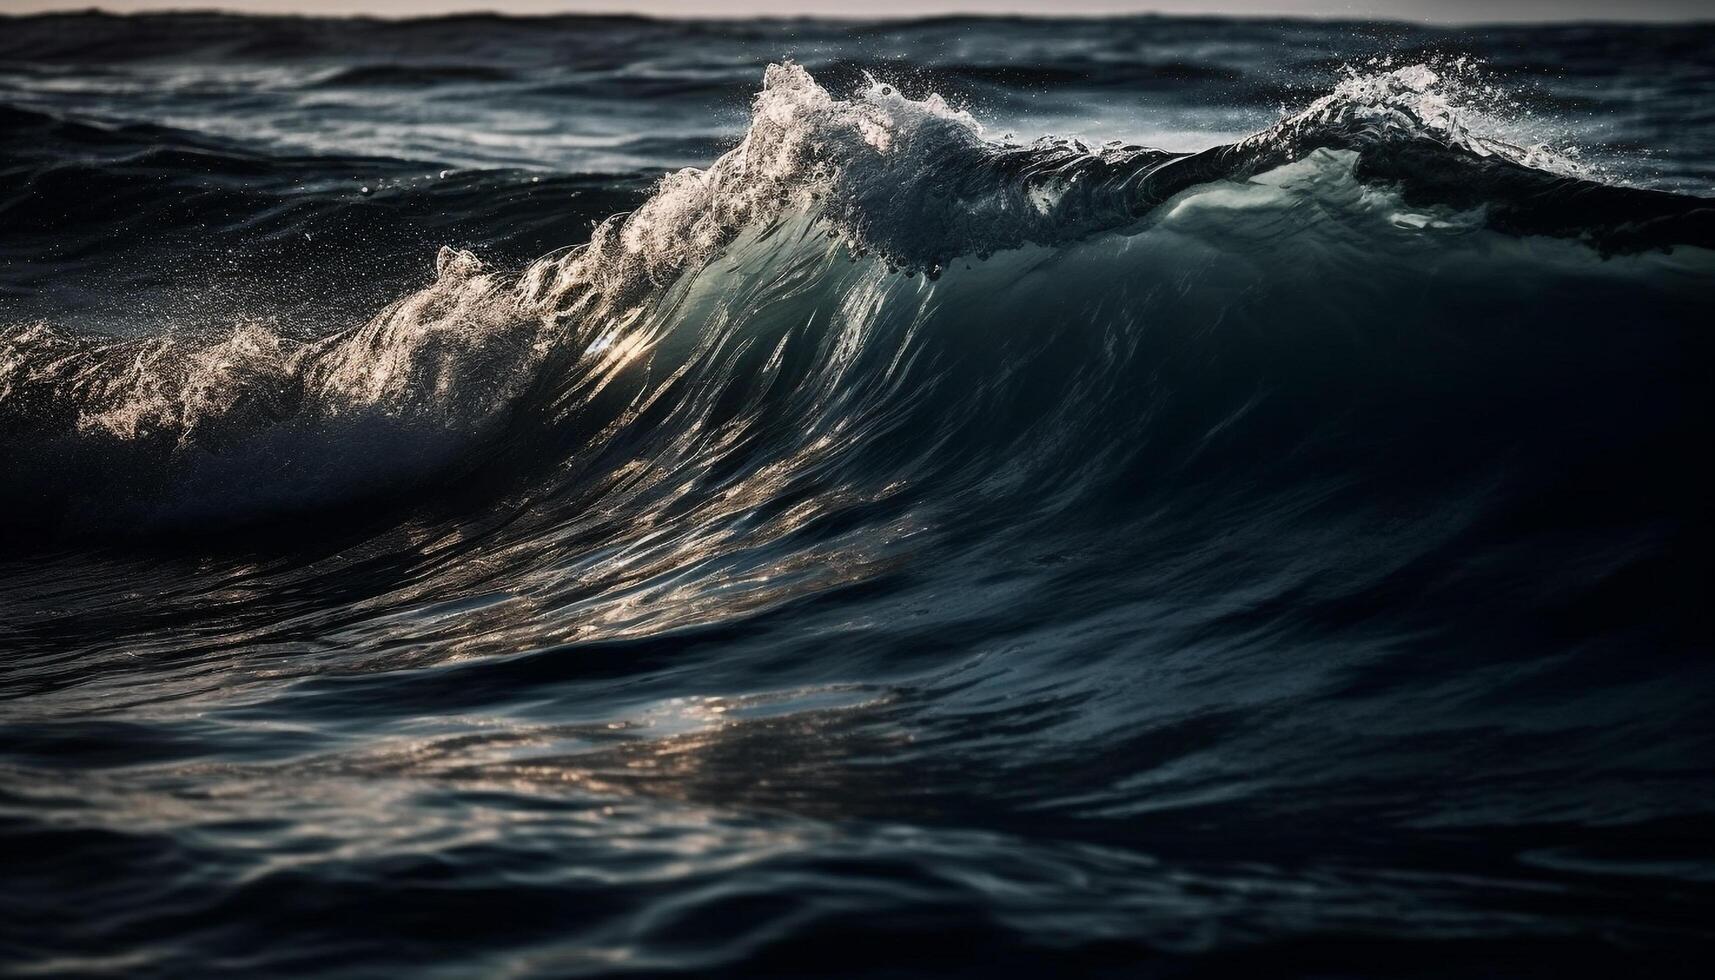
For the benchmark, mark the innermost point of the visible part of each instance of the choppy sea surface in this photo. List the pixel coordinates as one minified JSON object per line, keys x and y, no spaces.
{"x":554,"y":497}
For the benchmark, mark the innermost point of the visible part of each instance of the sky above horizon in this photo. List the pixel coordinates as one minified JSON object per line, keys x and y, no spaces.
{"x":1434,"y":11}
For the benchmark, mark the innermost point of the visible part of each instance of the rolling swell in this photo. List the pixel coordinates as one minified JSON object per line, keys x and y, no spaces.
{"x":1271,"y":555}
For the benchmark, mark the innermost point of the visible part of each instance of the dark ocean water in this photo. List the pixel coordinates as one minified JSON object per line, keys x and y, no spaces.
{"x":940,"y":534}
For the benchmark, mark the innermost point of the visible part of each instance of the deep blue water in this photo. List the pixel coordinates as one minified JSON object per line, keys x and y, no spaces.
{"x":1142,"y":497}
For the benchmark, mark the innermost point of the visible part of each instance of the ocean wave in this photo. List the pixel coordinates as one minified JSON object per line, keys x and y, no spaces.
{"x":828,"y":207}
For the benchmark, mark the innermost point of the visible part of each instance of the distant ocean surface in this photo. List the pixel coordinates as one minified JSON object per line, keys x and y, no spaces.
{"x":599,"y":496}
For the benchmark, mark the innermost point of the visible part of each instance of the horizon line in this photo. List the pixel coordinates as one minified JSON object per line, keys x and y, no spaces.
{"x":97,"y":9}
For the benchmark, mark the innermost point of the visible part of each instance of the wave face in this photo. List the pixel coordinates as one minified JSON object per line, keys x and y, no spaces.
{"x":890,"y":537}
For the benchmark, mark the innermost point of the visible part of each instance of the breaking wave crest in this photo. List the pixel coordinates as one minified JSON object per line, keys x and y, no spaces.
{"x":765,"y":315}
